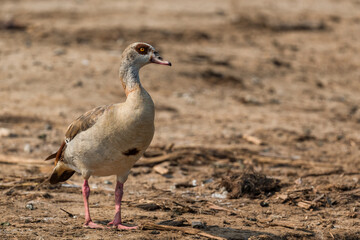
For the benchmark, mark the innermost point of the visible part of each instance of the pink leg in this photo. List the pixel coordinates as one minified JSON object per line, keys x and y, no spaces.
{"x":86,"y":193}
{"x":118,"y":197}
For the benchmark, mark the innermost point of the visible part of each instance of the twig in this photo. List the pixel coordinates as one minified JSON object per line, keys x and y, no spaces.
{"x":23,"y":182}
{"x":270,"y":159}
{"x":336,"y":171}
{"x":8,"y":159}
{"x":44,"y":182}
{"x":279,"y":224}
{"x":155,"y":160}
{"x":300,"y":190}
{"x":68,"y":213}
{"x":305,"y":204}
{"x":318,"y":198}
{"x":291,"y":227}
{"x":161,"y":170}
{"x":252,"y":139}
{"x":273,"y":155}
{"x":186,"y":208}
{"x":216,"y":207}
{"x":355,"y":191}
{"x":187,"y":230}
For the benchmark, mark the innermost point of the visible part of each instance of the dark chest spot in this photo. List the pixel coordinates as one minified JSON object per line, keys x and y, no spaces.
{"x":131,"y":151}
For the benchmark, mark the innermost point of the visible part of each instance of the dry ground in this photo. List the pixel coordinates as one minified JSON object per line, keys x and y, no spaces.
{"x":268,"y":85}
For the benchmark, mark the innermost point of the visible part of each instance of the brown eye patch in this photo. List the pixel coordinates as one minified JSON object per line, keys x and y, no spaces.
{"x":142,"y":48}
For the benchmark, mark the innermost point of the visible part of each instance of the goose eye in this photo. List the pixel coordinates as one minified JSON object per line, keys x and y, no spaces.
{"x":142,"y":49}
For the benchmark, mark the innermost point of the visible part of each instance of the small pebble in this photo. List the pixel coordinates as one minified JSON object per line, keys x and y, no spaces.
{"x":59,"y":51}
{"x":47,"y":195}
{"x":85,"y":62}
{"x":194,"y":183}
{"x":30,"y":206}
{"x":107,"y":182}
{"x":198,"y":224}
{"x":27,"y":148}
{"x":42,"y":136}
{"x":220,"y":195}
{"x":48,"y":126}
{"x":299,"y":181}
{"x":78,"y":84}
{"x":5,"y":132}
{"x":48,"y":67}
{"x":210,"y":180}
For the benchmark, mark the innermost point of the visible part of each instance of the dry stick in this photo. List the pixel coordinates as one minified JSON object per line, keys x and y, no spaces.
{"x":262,"y":158}
{"x":19,"y":160}
{"x":300,"y":190}
{"x":68,"y":213}
{"x":276,"y":160}
{"x":355,"y":191}
{"x":272,"y":155}
{"x":170,"y":156}
{"x":305,"y":204}
{"x":318,"y":198}
{"x":44,"y":182}
{"x":336,"y":171}
{"x":159,"y":159}
{"x":17,"y":185}
{"x":216,"y":207}
{"x":183,"y":206}
{"x":219,"y":208}
{"x":24,"y":182}
{"x":187,"y":230}
{"x":252,"y":139}
{"x":278,"y":224}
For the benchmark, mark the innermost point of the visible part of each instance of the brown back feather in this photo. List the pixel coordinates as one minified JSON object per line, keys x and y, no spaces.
{"x":82,"y":123}
{"x":85,"y":121}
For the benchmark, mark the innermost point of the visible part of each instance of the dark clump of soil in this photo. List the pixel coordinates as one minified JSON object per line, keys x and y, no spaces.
{"x":249,"y":183}
{"x":216,"y":78}
{"x":12,"y":25}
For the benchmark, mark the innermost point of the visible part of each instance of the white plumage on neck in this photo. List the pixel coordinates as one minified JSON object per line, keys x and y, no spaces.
{"x":129,"y":75}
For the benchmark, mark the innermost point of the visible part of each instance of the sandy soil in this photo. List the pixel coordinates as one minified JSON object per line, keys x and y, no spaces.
{"x":271,"y":86}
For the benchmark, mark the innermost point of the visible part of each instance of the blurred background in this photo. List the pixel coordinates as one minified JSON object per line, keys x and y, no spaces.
{"x":268,"y":85}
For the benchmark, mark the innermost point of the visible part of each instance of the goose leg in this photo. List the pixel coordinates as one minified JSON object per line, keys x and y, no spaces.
{"x":118,"y":197}
{"x":86,"y":193}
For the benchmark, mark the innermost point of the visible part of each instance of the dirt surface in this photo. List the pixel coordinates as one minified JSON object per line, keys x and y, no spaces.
{"x":260,"y":92}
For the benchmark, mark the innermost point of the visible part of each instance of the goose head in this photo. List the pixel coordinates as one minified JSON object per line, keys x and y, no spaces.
{"x":140,"y":54}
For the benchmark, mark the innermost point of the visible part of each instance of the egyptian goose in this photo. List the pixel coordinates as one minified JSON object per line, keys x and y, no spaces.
{"x":108,"y":140}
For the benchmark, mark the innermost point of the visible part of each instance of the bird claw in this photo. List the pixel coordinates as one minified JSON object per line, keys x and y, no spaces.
{"x":111,"y":223}
{"x":121,"y":227}
{"x":93,"y":225}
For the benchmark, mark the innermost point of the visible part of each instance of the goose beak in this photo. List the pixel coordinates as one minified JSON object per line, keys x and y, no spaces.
{"x":155,"y":58}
